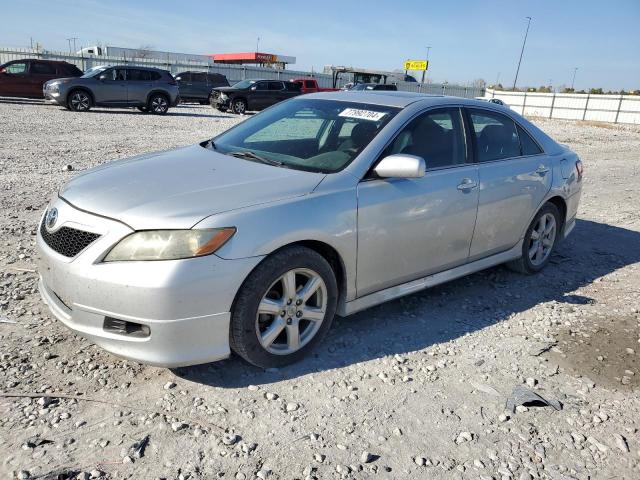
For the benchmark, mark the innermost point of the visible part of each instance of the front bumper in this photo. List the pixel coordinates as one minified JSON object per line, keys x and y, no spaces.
{"x":53,"y":95}
{"x":184,"y":303}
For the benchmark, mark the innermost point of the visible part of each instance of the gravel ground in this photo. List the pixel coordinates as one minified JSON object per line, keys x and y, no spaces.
{"x":415,"y":388}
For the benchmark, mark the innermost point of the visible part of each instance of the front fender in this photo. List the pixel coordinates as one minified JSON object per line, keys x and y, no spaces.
{"x":330,"y":218}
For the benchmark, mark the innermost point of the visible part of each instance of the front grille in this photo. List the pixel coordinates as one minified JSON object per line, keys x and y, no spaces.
{"x":67,"y":241}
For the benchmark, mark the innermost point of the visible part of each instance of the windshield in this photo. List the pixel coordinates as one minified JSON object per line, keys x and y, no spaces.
{"x":244,"y":84}
{"x":304,"y":134}
{"x":93,"y":70}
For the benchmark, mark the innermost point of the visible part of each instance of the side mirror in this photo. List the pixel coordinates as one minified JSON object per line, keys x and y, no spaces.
{"x":178,"y":78}
{"x":401,"y":165}
{"x":254,"y":88}
{"x":102,"y":78}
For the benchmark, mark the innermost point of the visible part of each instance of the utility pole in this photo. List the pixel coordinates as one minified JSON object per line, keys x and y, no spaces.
{"x":424,"y":71}
{"x":258,"y":44}
{"x":522,"y":51}
{"x":74,"y":43}
{"x":573,"y":80}
{"x":69,"y":41}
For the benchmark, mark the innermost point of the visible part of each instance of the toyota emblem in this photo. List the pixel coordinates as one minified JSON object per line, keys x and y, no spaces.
{"x":51,"y":218}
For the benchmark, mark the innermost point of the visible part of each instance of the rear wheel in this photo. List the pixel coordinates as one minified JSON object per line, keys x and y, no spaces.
{"x":284,"y":308}
{"x":158,"y":104}
{"x":239,"y":106}
{"x":539,"y":240}
{"x":79,"y":101}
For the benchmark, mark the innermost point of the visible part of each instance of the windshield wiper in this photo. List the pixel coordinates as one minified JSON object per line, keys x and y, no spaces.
{"x":246,"y":154}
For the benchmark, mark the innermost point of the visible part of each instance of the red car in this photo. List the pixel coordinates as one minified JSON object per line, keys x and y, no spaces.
{"x":24,"y":78}
{"x":310,"y":85}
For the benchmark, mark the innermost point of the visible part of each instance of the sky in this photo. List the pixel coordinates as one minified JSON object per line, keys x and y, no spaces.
{"x":469,"y":40}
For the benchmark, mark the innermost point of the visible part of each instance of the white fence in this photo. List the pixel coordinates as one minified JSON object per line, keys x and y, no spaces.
{"x":233,"y":73}
{"x":573,"y":106}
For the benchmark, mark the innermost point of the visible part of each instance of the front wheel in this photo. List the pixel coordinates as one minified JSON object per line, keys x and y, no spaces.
{"x":239,"y":106}
{"x":284,"y":308}
{"x":158,"y":104}
{"x":539,"y":240}
{"x":79,"y":101}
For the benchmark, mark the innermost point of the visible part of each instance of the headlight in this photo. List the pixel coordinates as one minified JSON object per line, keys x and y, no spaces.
{"x":223,"y":96}
{"x":169,"y":244}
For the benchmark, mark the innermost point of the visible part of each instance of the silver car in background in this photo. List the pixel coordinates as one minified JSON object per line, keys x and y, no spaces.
{"x":327,"y":203}
{"x":148,"y":89}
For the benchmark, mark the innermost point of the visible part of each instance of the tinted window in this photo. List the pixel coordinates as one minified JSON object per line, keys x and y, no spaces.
{"x":262,"y":86}
{"x":292,"y":87}
{"x":43,"y":68}
{"x":199,"y":77}
{"x":154,"y":75}
{"x":309,"y":84}
{"x":437,"y":136}
{"x":528,"y":145}
{"x":136,"y":75}
{"x":184,"y":76}
{"x":276,"y":86}
{"x":16,"y":68}
{"x":496,"y":136}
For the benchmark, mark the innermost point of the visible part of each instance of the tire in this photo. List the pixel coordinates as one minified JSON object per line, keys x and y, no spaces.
{"x":143,"y":109}
{"x":539,"y":241}
{"x":239,"y":106}
{"x":79,"y":101}
{"x":158,"y":104}
{"x":262,"y":300}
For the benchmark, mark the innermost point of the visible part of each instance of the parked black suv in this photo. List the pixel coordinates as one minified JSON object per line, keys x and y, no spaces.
{"x":253,"y":95}
{"x":196,"y":86}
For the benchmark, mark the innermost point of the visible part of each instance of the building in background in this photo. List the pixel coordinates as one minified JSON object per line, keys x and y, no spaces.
{"x":254,"y":58}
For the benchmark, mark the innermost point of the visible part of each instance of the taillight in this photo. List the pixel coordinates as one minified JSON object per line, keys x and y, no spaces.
{"x":579,"y":169}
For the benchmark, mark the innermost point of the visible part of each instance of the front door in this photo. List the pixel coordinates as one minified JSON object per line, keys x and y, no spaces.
{"x":112,"y":89}
{"x":515,"y":176}
{"x":14,"y":79}
{"x":410,"y":228}
{"x":40,"y":73}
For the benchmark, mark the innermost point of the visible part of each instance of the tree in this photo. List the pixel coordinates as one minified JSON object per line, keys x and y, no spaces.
{"x":596,"y":91}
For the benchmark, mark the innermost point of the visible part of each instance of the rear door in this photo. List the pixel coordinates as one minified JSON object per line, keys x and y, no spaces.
{"x":139,"y":83}
{"x":112,"y":90}
{"x":184,"y":84}
{"x":515,"y":176}
{"x":277,"y":92}
{"x":14,"y":79}
{"x":413,"y":227}
{"x":40,"y":73}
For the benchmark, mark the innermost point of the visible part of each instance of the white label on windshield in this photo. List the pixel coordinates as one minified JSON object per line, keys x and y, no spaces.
{"x":362,"y":114}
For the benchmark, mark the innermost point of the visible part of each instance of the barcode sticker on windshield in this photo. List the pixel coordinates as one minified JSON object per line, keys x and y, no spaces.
{"x":362,"y":114}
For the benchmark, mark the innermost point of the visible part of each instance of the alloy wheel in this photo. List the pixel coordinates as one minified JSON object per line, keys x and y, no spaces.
{"x":80,"y":101}
{"x":291,"y":312}
{"x":542,"y":239}
{"x":159,"y":104}
{"x":239,"y":107}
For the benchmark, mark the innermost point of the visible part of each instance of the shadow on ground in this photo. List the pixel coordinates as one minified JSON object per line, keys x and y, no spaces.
{"x":448,"y":311}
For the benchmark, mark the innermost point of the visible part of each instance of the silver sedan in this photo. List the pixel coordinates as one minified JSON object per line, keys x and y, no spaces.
{"x":324,"y":204}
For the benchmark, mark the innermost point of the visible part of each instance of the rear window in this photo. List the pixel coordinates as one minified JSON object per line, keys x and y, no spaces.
{"x":199,"y":77}
{"x":309,"y":84}
{"x":496,"y":136}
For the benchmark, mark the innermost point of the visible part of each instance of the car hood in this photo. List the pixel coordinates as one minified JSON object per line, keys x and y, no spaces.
{"x":178,"y":188}
{"x":229,"y":89}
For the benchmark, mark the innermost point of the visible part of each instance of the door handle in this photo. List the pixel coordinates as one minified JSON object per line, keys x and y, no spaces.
{"x":542,"y":170}
{"x":467,"y":184}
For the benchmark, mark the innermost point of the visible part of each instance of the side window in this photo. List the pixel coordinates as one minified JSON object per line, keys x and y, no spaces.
{"x":19,"y":68}
{"x":41,"y":68}
{"x":118,"y":74}
{"x":529,"y":146}
{"x":309,"y":84}
{"x":276,"y":86}
{"x":199,"y":77}
{"x":135,"y":75}
{"x":437,"y":136}
{"x":496,"y":136}
{"x":184,"y":76}
{"x":262,"y":86}
{"x":153,"y":76}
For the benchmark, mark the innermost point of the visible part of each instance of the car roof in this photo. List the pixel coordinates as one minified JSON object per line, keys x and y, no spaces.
{"x":399,"y":99}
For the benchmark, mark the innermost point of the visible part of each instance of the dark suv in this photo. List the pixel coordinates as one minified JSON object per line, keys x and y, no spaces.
{"x":148,"y":89}
{"x":196,"y":86}
{"x":24,"y":78}
{"x":253,"y":95}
